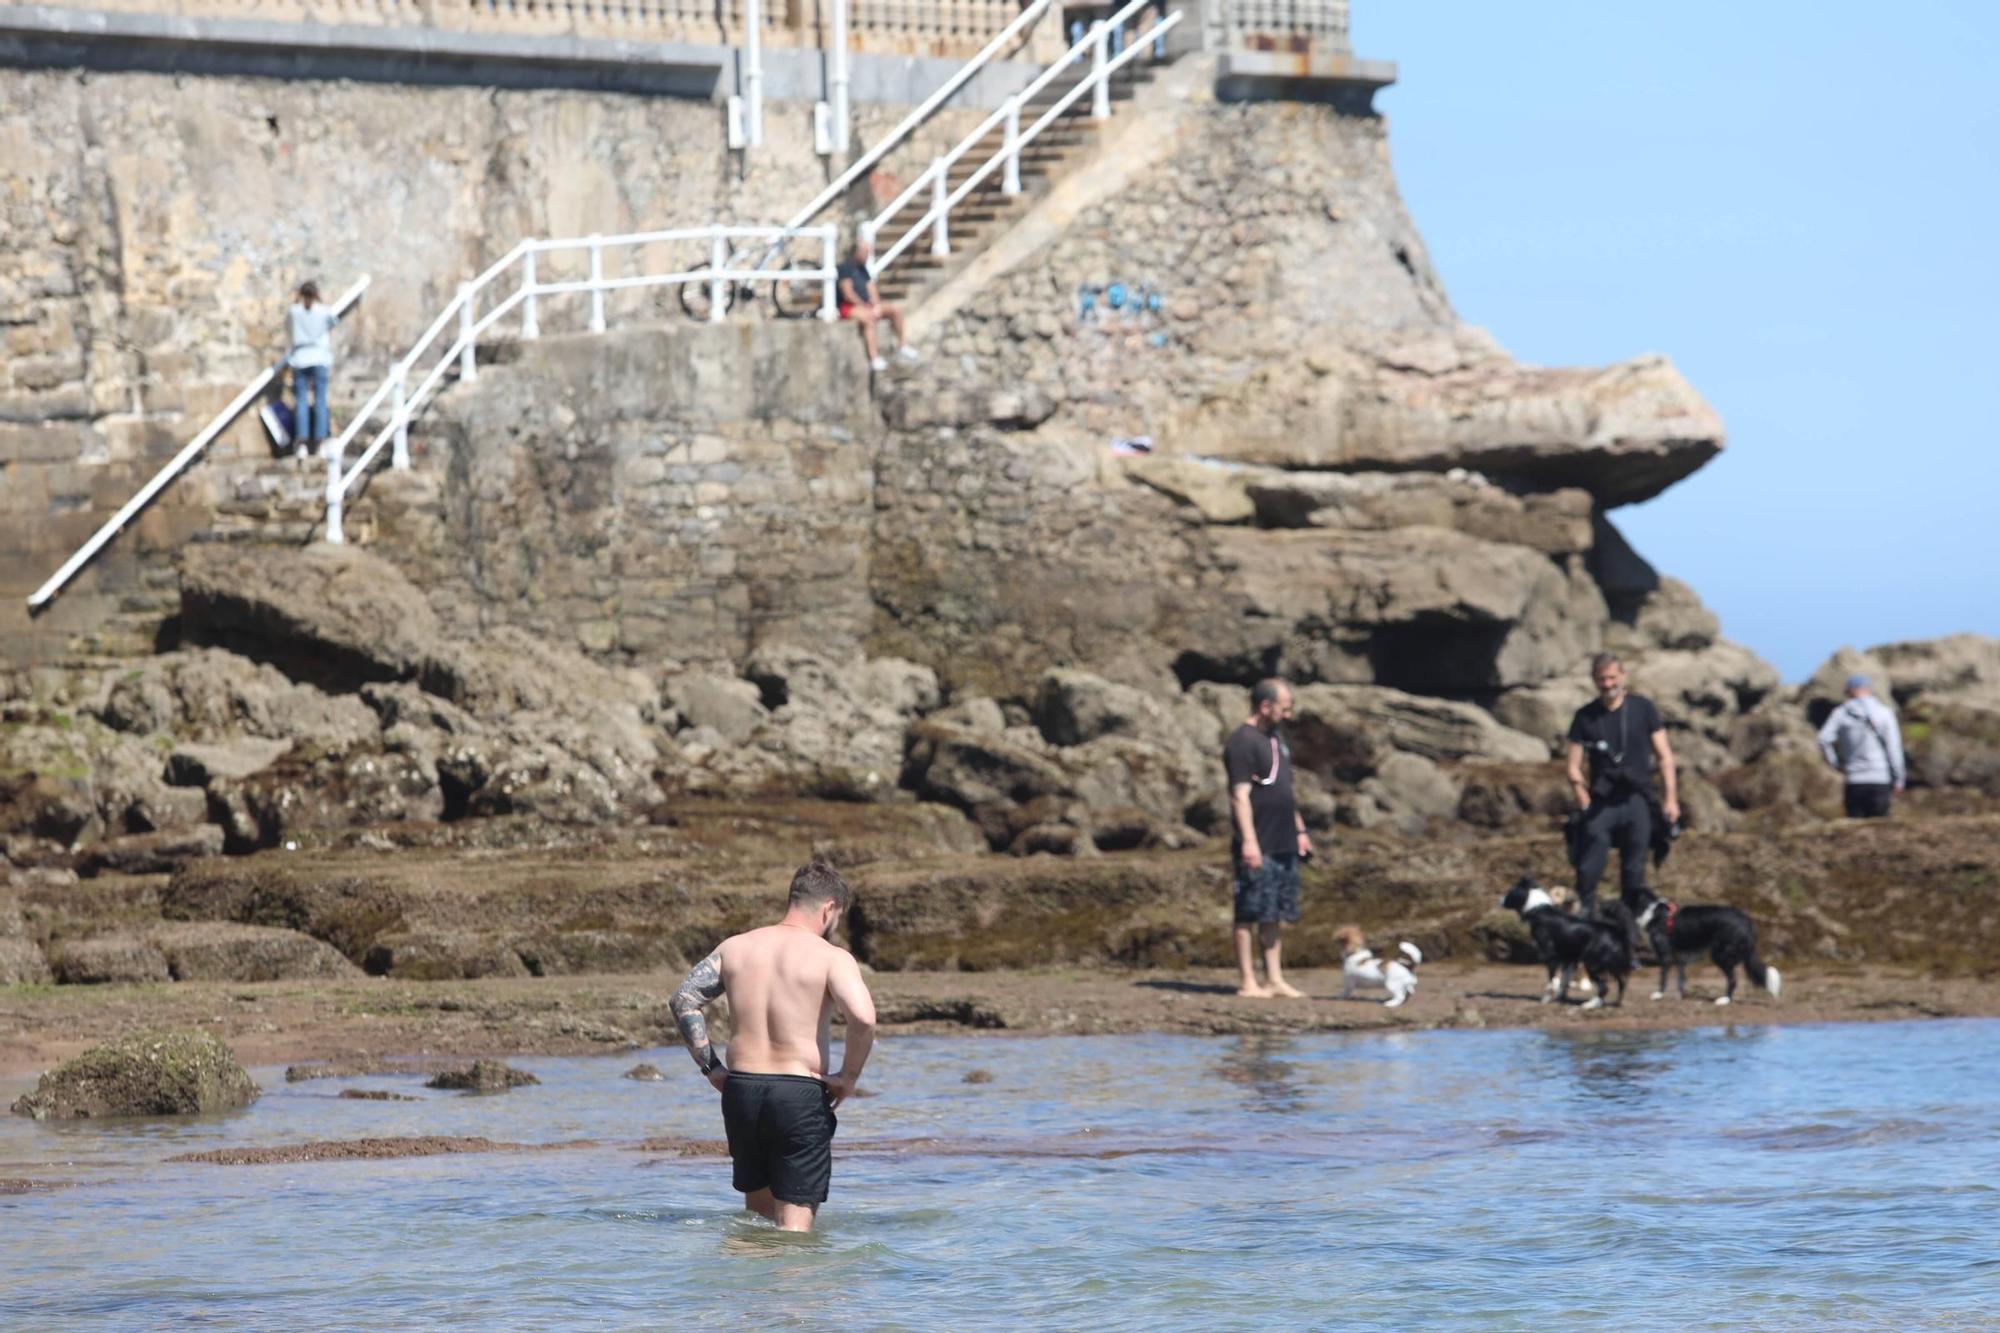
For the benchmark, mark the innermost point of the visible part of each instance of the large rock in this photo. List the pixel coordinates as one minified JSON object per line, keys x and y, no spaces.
{"x":1702,"y":695}
{"x":209,"y":695}
{"x":1348,"y":730}
{"x":75,"y":781}
{"x":1428,"y":610}
{"x":442,"y":955}
{"x":151,"y":853}
{"x":21,"y":963}
{"x":1949,"y":744}
{"x":320,"y":613}
{"x":221,"y":951}
{"x":803,"y":722}
{"x":109,"y":960}
{"x":1554,"y":522}
{"x":175,"y":1073}
{"x":1959,"y":668}
{"x":20,"y":960}
{"x":1624,"y":433}
{"x":1215,"y":491}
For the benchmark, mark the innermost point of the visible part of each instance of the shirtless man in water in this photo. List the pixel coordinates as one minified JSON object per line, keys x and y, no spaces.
{"x":777,"y":1097}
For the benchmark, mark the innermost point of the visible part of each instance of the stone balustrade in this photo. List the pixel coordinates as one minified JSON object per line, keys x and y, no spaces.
{"x":1286,"y":24}
{"x":935,"y":28}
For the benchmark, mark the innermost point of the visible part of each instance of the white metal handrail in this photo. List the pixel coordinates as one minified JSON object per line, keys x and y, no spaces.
{"x":936,"y":177}
{"x":905,"y":127}
{"x":192,"y":450}
{"x":406,"y":400}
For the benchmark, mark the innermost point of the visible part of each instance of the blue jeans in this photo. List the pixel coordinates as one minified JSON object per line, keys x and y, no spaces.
{"x":309,"y":421}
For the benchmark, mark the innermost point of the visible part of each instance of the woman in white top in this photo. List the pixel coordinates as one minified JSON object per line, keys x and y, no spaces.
{"x":311,"y":325}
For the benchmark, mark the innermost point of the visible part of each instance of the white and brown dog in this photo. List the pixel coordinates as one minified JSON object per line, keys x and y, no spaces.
{"x":1361,"y":968}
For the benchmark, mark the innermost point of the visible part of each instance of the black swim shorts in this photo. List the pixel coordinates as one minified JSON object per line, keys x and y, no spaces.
{"x":780,"y":1129}
{"x":1270,"y":893}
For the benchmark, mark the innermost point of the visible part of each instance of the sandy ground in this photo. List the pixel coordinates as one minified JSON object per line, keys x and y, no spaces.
{"x":290,"y":1022}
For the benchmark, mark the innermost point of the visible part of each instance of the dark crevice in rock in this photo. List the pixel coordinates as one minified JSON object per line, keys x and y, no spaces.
{"x":1193,"y":666}
{"x":1437,"y":654}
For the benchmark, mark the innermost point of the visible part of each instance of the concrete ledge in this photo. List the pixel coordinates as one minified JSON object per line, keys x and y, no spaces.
{"x":1303,"y":75}
{"x":41,"y":36}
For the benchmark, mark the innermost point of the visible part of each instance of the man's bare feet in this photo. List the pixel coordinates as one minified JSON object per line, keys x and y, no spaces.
{"x":1286,"y":989}
{"x":1254,"y":992}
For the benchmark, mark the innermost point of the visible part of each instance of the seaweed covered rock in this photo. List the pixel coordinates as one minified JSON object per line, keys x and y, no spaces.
{"x":171,"y":1073}
{"x":483,"y":1076}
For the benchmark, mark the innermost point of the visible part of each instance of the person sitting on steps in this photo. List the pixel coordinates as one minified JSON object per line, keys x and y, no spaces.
{"x":862,"y":303}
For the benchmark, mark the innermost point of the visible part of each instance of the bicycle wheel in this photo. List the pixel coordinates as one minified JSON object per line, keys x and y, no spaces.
{"x":800,"y":296}
{"x":696,"y":295}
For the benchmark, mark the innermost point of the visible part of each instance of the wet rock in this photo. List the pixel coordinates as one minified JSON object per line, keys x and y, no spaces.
{"x":438,"y":955}
{"x":175,"y":1073}
{"x":353,"y":1068}
{"x":645,"y":1073}
{"x":483,"y":1076}
{"x":341,"y":906}
{"x":570,"y":952}
{"x":109,"y":960}
{"x":977,"y":1076}
{"x":221,"y":951}
{"x":374,"y":1095}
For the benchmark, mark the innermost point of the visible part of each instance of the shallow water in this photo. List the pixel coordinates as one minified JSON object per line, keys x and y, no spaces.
{"x":1807,"y":1177}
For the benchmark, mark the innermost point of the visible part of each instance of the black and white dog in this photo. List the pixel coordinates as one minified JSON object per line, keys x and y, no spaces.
{"x":1725,"y":934}
{"x":1601,"y":948}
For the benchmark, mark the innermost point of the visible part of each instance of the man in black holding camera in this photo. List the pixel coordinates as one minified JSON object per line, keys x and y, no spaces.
{"x":1622,"y":735}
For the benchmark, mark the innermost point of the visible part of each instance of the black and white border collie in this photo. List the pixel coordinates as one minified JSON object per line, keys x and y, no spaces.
{"x":1567,"y":942}
{"x":1725,"y":934}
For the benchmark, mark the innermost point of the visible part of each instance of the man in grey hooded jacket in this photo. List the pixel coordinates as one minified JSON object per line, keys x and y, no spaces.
{"x":1862,"y":740}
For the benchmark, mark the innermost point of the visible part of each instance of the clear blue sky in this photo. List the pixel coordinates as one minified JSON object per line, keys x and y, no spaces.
{"x":1797,"y":202}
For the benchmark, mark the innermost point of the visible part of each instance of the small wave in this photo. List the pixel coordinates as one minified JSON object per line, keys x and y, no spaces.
{"x":1819,"y":1134}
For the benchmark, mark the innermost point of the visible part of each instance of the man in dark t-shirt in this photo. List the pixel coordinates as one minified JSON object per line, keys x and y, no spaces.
{"x":1267,"y":837}
{"x":1618,"y":736}
{"x":861,"y":301}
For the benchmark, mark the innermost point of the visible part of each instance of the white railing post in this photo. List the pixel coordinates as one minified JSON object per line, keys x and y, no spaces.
{"x":829,"y":282}
{"x":718,"y":260}
{"x":468,"y":361}
{"x":1010,"y":180}
{"x":531,"y":328}
{"x":596,"y":277}
{"x":753,"y":75}
{"x":1100,"y":52}
{"x":334,"y":535}
{"x":940,"y":195}
{"x":838,"y":77}
{"x":399,"y":456}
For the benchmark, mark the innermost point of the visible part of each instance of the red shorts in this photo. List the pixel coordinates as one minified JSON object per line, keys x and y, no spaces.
{"x":847,"y":310}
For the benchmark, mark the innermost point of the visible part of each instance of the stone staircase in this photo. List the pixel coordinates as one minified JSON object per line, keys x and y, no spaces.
{"x":1066,"y":145}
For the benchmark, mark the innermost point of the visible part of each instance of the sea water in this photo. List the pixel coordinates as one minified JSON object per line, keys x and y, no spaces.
{"x":1741,"y":1177}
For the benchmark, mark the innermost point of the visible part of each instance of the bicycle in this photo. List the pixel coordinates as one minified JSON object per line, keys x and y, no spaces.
{"x":791,"y":297}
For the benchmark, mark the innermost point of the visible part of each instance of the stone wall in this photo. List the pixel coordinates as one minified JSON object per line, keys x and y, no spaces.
{"x":680,"y":494}
{"x":153,"y":227}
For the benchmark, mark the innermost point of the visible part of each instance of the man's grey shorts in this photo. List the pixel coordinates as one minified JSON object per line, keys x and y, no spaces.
{"x":1270,"y":893}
